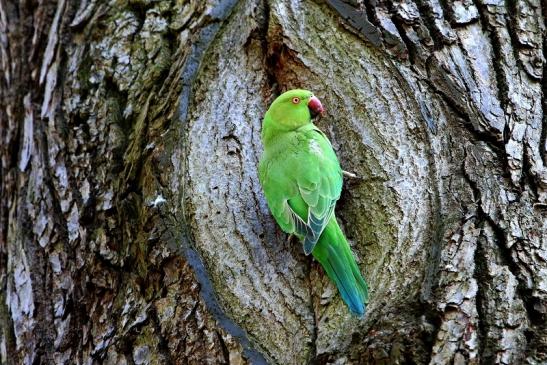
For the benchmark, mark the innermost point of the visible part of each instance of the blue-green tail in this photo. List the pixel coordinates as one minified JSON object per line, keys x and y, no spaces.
{"x":334,"y":254}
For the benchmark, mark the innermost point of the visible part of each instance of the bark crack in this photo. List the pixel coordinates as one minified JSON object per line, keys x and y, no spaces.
{"x":163,"y":343}
{"x":411,"y":47}
{"x":358,"y":21}
{"x":426,"y":13}
{"x":497,"y":56}
{"x":535,"y":317}
{"x":466,"y":119}
{"x":543,"y":136}
{"x":480,"y":276}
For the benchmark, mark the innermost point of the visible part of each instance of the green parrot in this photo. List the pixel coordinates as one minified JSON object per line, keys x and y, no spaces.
{"x":302,"y":180}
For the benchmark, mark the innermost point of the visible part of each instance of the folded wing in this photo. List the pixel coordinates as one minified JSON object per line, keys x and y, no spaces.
{"x":302,"y":187}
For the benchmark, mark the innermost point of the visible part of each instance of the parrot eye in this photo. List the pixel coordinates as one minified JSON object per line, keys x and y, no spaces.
{"x":295,"y":100}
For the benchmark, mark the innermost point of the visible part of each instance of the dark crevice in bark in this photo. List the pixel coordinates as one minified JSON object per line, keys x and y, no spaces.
{"x":428,"y":18}
{"x":225,"y":351}
{"x":543,"y":137}
{"x":431,"y":281}
{"x":41,"y":276}
{"x":322,"y":359}
{"x":270,"y":60}
{"x":448,"y":11}
{"x":486,"y":353}
{"x":126,"y":343}
{"x":7,"y":328}
{"x":390,"y":41}
{"x":66,"y":18}
{"x":536,"y":318}
{"x":427,"y":308}
{"x":481,"y":272}
{"x":460,"y":25}
{"x":497,"y":144}
{"x":42,"y":272}
{"x":14,"y":99}
{"x":119,"y":101}
{"x":410,"y":46}
{"x":358,"y":21}
{"x":436,"y":228}
{"x":465,"y":119}
{"x":497,"y":56}
{"x":11,"y":95}
{"x":162,"y":341}
{"x":277,"y":57}
{"x":139,"y":9}
{"x":371,"y":14}
{"x":78,"y":307}
{"x":527,"y":178}
{"x":57,"y":219}
{"x":315,"y":326}
{"x":129,"y":187}
{"x":506,"y":135}
{"x":511,"y":21}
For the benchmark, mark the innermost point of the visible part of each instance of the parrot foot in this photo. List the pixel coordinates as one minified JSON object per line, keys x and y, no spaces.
{"x":291,"y":238}
{"x":351,"y":175}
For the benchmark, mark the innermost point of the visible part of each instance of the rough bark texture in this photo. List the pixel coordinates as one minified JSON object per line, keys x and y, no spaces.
{"x":133,"y":229}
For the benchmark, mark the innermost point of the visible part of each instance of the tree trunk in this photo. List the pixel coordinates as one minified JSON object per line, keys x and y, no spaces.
{"x":133,"y":229}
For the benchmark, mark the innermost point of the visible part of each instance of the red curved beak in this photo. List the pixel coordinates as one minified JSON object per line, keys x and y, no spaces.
{"x":315,"y":107}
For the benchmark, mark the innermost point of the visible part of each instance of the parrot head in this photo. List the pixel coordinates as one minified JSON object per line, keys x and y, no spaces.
{"x":294,"y":108}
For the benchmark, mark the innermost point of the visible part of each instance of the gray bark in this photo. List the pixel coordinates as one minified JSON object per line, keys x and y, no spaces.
{"x":133,"y":229}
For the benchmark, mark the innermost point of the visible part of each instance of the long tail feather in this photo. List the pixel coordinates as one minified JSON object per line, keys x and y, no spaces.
{"x":334,"y":254}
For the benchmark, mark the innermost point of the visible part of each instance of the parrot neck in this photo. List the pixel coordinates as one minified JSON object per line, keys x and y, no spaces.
{"x":271,"y":131}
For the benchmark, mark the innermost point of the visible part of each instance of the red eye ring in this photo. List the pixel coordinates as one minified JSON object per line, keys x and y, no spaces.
{"x":295,"y":100}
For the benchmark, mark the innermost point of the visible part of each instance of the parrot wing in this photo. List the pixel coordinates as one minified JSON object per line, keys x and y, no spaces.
{"x":302,"y":184}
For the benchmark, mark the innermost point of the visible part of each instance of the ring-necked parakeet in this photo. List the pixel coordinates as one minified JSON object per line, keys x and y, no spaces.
{"x":302,"y":181}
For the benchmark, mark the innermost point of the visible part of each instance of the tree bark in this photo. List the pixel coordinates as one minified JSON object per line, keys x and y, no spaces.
{"x":133,"y":229}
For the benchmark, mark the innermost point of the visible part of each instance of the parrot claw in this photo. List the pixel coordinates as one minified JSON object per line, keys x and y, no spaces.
{"x":351,"y":175}
{"x":290,"y":238}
